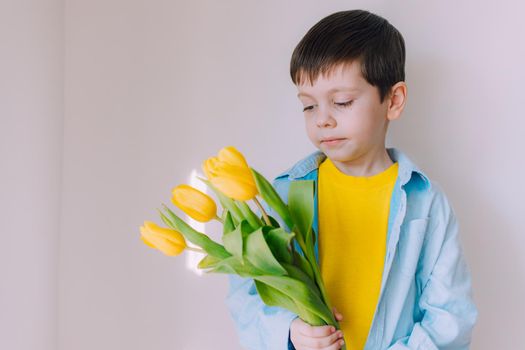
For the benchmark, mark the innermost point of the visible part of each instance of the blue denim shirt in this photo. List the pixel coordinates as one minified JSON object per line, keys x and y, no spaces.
{"x":425,"y":301}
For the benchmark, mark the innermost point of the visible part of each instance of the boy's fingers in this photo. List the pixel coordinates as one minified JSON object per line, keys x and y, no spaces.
{"x":317,"y":331}
{"x":303,"y":327}
{"x":336,"y":346}
{"x":329,"y":342}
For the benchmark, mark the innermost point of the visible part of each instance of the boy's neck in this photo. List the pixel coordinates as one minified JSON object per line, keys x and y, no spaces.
{"x":368,"y":164}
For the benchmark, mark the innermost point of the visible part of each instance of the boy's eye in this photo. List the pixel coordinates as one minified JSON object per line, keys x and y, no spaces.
{"x":344,"y":104}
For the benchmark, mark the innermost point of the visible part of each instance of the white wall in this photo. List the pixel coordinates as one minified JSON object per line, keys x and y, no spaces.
{"x":154,"y":87}
{"x":31,"y":118}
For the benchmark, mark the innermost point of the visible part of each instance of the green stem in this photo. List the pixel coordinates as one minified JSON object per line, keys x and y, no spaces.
{"x":195,"y":250}
{"x":266,"y":218}
{"x":309,"y":254}
{"x":324,"y":295}
{"x":318,"y":279}
{"x":310,"y":257}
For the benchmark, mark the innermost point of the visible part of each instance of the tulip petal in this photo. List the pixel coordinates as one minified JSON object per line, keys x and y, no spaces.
{"x":230,"y":173}
{"x":232,"y":189}
{"x":209,"y":167}
{"x":168,"y":241}
{"x":232,"y":156}
{"x":199,"y":239}
{"x":226,"y":203}
{"x":148,"y":243}
{"x":197,"y":204}
{"x":204,"y":167}
{"x":165,"y":245}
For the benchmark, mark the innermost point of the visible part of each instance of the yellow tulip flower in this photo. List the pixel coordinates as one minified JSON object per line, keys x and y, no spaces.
{"x":229,"y":173}
{"x":168,"y":241}
{"x":198,"y":205}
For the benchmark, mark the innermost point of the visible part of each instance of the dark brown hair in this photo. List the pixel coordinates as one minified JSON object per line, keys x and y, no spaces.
{"x":352,"y":36}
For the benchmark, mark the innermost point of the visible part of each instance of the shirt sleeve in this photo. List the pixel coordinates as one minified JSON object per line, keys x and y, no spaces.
{"x":449,"y":312}
{"x":259,"y":326}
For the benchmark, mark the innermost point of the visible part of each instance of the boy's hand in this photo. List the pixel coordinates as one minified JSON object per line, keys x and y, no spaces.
{"x":306,"y":337}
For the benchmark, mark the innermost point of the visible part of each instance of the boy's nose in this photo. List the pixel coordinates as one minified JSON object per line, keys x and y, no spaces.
{"x":324,"y":119}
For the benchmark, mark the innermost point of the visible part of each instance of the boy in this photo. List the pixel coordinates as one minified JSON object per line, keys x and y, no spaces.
{"x":387,"y":237}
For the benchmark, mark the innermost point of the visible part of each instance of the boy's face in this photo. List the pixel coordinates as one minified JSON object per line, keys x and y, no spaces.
{"x":343,"y":116}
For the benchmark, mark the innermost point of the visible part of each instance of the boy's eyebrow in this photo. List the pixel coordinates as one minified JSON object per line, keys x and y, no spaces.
{"x":331,"y":90}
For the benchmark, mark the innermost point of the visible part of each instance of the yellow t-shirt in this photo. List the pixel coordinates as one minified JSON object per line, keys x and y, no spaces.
{"x":353,"y":223}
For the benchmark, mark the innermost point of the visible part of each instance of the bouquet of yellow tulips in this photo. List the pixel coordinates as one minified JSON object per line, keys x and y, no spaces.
{"x":252,"y":246}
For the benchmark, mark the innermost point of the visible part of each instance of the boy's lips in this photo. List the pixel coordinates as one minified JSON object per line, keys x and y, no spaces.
{"x":332,"y":141}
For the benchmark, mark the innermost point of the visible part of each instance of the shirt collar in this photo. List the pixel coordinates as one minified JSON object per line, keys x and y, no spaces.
{"x":407,"y":168}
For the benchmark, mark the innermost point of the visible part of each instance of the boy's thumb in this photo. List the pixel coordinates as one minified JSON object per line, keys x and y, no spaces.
{"x":337,"y":314}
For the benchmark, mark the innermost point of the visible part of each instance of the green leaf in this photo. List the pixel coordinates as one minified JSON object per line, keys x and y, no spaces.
{"x":228,"y":225}
{"x":273,"y":297}
{"x":259,"y":253}
{"x":211,"y":247}
{"x":299,"y":274}
{"x":233,"y":265}
{"x":272,"y":198}
{"x":274,"y":222}
{"x":207,"y":262}
{"x":301,"y":205}
{"x":279,"y":242}
{"x":234,"y":240}
{"x":301,"y":294}
{"x":247,"y":213}
{"x":303,"y":264}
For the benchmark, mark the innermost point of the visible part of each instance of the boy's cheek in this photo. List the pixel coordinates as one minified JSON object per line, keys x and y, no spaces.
{"x":313,"y":137}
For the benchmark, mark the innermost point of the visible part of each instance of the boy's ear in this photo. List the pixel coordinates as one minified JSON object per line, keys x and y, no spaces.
{"x":396,"y":100}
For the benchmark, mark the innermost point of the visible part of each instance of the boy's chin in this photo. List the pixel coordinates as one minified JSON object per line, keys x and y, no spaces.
{"x":337,"y":156}
{"x":336,"y":153}
{"x":340,"y":155}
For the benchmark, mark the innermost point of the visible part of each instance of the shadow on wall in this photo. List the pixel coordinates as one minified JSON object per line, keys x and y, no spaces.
{"x":441,"y":131}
